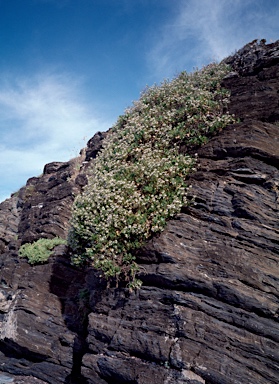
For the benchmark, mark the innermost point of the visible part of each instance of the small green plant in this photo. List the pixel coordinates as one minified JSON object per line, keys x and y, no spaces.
{"x":40,"y":250}
{"x":28,"y":192}
{"x":138,"y":180}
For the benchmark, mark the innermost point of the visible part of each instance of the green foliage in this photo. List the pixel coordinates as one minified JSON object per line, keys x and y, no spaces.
{"x":40,"y":250}
{"x":138,"y":180}
{"x":28,"y":192}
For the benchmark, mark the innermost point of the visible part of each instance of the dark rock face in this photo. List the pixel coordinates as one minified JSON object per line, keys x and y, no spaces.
{"x":42,"y":314}
{"x":208,"y":309}
{"x":40,"y":317}
{"x":254,"y":57}
{"x":254,"y":82}
{"x":46,"y":202}
{"x":94,"y":145}
{"x":10,"y":216}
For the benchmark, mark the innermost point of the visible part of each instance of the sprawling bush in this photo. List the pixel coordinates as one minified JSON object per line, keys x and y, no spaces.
{"x":138,"y":180}
{"x":40,"y":250}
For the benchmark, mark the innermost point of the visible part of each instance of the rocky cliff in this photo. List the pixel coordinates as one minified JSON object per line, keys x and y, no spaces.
{"x":208,"y":308}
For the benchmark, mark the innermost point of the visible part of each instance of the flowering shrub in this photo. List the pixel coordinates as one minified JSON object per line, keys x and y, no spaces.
{"x":40,"y":250}
{"x":138,"y":180}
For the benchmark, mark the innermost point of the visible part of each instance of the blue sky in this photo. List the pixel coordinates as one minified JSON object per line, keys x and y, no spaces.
{"x":69,"y":68}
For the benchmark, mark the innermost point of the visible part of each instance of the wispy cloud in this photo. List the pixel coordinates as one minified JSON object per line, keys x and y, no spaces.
{"x":42,"y":119}
{"x":202,"y":31}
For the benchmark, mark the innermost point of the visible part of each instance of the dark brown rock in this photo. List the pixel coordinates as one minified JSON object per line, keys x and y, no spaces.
{"x":36,"y":339}
{"x":94,"y":145}
{"x":208,"y":308}
{"x":10,"y":217}
{"x":209,"y":301}
{"x":28,"y":380}
{"x":254,"y":57}
{"x":254,"y":82}
{"x":46,"y":202}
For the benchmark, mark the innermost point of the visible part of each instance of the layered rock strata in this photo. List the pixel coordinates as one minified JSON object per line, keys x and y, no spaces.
{"x":208,"y":308}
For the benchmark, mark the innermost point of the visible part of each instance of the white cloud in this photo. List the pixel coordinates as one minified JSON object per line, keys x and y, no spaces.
{"x":42,"y":119}
{"x":16,"y":167}
{"x":206,"y":30}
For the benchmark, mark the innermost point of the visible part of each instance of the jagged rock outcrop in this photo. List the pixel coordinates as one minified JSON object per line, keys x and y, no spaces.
{"x":254,"y":82}
{"x":10,"y":216}
{"x":46,"y":202}
{"x":94,"y":145}
{"x":34,"y":335}
{"x":41,"y":314}
{"x":208,"y":308}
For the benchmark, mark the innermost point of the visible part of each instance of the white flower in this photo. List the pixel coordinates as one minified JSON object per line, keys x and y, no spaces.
{"x":137,"y":180}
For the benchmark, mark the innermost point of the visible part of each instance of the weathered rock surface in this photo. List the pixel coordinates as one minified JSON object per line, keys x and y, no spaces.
{"x":208,"y":309}
{"x":42,"y":318}
{"x":94,"y":145}
{"x":210,"y":298}
{"x":10,"y":216}
{"x":46,"y":202}
{"x":254,"y":82}
{"x":36,"y":339}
